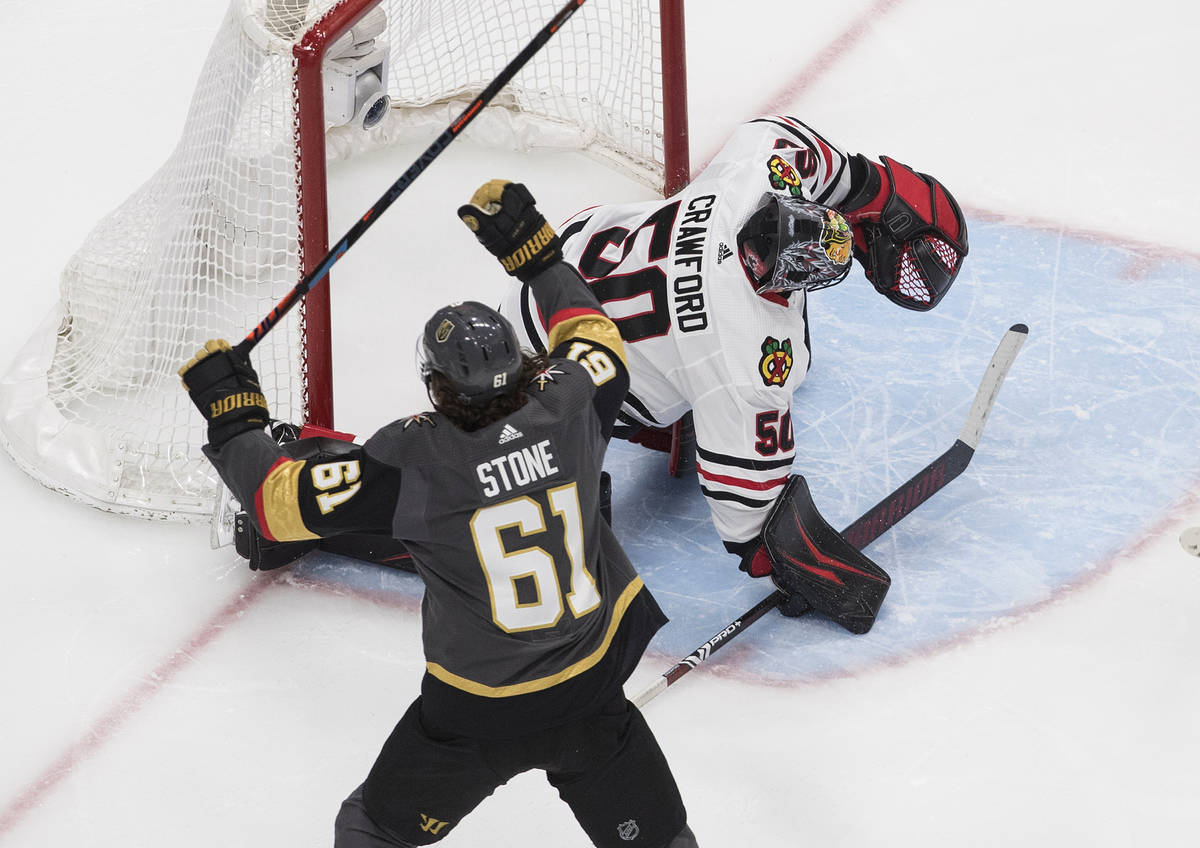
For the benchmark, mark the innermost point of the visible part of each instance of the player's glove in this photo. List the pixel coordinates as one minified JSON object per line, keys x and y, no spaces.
{"x":504,"y":218}
{"x":756,"y":562}
{"x":223,"y":385}
{"x":909,"y":234}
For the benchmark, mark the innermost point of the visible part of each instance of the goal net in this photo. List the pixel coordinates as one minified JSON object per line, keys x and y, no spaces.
{"x":93,"y":405}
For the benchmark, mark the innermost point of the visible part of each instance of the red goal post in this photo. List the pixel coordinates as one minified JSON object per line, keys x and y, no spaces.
{"x":92,"y":407}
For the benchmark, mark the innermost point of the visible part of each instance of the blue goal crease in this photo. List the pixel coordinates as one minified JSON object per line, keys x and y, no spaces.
{"x":1092,"y":439}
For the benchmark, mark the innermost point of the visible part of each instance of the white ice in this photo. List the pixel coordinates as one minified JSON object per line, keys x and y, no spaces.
{"x":155,"y":692}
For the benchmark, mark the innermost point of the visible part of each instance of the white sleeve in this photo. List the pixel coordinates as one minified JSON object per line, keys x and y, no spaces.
{"x":744,"y":453}
{"x":519,"y":307}
{"x":798,"y":157}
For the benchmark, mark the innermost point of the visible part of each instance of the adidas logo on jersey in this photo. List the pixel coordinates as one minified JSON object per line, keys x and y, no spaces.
{"x":509,"y":433}
{"x":723,"y":252}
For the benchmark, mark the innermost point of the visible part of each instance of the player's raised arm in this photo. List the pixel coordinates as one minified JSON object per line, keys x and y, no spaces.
{"x":505,"y":219}
{"x":289,"y":496}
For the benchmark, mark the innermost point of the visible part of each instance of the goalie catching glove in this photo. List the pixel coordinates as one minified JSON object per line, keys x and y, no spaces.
{"x":504,"y":218}
{"x":224,"y":386}
{"x":909,"y":233}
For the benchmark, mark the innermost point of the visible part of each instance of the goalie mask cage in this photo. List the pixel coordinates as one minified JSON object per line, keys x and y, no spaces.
{"x":93,"y":406}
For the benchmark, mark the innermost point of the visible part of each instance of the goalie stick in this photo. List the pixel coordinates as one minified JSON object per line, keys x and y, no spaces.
{"x":406,"y":179}
{"x":885,"y":514}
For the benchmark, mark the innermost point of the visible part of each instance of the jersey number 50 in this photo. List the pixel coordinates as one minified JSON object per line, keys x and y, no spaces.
{"x":543,"y":606}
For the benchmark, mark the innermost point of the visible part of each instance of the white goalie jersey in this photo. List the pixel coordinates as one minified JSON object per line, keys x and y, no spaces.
{"x":696,"y":334}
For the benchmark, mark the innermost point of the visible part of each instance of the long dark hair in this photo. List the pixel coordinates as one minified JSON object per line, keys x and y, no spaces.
{"x":447,"y":401}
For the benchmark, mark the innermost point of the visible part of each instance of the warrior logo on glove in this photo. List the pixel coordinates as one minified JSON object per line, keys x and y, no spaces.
{"x":529,"y":250}
{"x":224,"y":387}
{"x":504,"y":219}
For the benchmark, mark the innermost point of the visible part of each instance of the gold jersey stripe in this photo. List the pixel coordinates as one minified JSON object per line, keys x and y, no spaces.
{"x":575,"y":668}
{"x":279,"y":503}
{"x":597,"y":328}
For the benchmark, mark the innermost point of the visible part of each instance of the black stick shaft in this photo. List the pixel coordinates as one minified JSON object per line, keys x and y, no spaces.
{"x":868,"y":527}
{"x":406,"y":179}
{"x":884,"y":515}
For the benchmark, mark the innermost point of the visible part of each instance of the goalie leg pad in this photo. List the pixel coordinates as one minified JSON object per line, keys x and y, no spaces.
{"x":813,"y":561}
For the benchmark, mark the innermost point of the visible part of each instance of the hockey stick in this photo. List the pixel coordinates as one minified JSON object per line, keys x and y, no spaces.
{"x":406,"y":179}
{"x":885,"y":514}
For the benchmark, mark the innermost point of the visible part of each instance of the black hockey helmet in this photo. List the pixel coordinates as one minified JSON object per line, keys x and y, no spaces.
{"x":474,"y":348}
{"x":789,"y":244}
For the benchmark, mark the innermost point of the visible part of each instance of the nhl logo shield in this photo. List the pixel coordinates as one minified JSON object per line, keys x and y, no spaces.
{"x":628,"y":830}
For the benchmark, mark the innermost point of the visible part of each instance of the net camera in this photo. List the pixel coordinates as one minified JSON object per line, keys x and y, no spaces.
{"x":355,"y":75}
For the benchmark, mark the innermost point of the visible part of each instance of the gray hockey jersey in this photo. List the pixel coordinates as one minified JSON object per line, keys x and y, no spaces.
{"x":532,"y":611}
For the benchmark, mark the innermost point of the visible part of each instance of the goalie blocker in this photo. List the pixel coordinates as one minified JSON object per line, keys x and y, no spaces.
{"x":816,"y":567}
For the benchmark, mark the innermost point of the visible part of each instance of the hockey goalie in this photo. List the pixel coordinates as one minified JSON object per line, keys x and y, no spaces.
{"x":710,"y":290}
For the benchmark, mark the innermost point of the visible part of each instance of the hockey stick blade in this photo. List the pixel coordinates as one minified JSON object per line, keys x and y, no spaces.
{"x":885,"y":514}
{"x":312,"y":278}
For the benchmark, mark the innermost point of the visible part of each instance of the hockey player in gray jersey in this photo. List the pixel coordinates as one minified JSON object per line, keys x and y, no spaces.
{"x":709,"y":290}
{"x":533,"y":616}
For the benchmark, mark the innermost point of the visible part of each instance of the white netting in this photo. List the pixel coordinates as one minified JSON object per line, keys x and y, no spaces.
{"x":93,"y":405}
{"x":595,"y":86}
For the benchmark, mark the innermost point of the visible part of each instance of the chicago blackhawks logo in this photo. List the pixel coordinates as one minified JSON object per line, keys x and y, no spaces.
{"x":835,"y":237}
{"x":783,"y":176}
{"x":776,"y":362}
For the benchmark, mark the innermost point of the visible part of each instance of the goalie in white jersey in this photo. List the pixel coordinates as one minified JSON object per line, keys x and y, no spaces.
{"x":709,"y":288}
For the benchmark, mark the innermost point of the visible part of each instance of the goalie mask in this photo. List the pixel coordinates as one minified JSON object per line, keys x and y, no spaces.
{"x":474,"y":348}
{"x":790,"y":244}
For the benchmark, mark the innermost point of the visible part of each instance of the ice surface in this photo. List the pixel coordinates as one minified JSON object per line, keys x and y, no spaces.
{"x":1032,"y":679}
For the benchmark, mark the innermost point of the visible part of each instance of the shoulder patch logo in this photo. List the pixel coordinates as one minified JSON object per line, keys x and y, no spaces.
{"x":509,"y":433}
{"x":776,"y":362}
{"x":420,"y":420}
{"x":723,"y":252}
{"x":783,"y":176}
{"x":546,"y":375}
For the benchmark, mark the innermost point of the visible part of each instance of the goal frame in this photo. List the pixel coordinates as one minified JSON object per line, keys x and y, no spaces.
{"x":312,"y":173}
{"x":238,"y":214}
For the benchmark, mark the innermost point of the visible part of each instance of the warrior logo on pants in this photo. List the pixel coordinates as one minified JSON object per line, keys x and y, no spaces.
{"x":432,"y":825}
